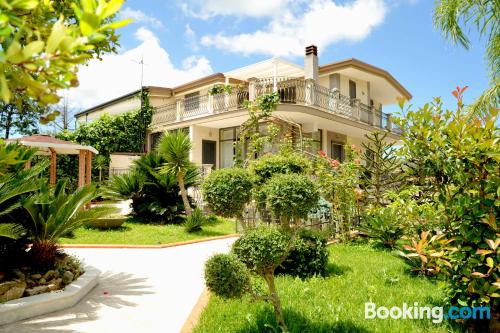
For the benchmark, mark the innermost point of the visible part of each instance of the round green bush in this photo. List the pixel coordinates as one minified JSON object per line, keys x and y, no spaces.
{"x":308,"y":257}
{"x":265,"y":167}
{"x":262,"y":249}
{"x":226,"y":191}
{"x":226,"y":276}
{"x":290,"y":196}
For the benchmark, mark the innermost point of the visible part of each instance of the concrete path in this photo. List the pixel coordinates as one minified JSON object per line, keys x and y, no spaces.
{"x":140,"y":291}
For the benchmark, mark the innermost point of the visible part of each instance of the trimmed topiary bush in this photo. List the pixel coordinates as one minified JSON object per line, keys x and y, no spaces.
{"x":290,"y":196}
{"x":308,"y":256}
{"x":267,"y":166}
{"x":227,"y":276}
{"x":226,"y":191}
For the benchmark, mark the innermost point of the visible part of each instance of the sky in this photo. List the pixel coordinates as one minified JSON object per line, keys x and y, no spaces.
{"x":184,"y":40}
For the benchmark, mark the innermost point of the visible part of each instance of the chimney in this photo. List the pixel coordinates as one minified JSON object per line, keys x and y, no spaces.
{"x":311,"y":63}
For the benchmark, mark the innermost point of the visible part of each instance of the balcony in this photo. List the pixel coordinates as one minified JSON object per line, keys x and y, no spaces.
{"x":292,"y":91}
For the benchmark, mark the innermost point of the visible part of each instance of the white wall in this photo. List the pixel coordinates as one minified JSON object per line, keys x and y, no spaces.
{"x":198,"y":134}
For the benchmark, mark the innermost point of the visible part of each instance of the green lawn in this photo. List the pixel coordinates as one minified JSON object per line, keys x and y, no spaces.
{"x":358,"y":274}
{"x":147,"y":234}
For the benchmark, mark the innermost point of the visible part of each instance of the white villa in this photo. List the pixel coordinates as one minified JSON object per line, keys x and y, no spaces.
{"x":332,"y":104}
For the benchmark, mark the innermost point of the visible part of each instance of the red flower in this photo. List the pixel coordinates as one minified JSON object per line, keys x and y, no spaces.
{"x":357,"y":161}
{"x":335,"y":164}
{"x":322,"y":153}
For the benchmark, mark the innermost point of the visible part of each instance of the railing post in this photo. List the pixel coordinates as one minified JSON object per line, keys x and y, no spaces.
{"x":356,"y":112}
{"x":178,"y":113}
{"x":210,"y":106}
{"x":374,"y":117}
{"x":251,"y":88}
{"x":389,"y":122}
{"x":310,"y":92}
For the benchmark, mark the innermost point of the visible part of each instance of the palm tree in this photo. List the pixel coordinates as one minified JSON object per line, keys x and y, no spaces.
{"x":452,"y":16}
{"x":175,"y":148}
{"x":54,"y":213}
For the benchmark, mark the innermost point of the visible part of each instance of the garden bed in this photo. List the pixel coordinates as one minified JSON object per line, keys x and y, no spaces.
{"x":148,"y":234}
{"x":357,"y":274}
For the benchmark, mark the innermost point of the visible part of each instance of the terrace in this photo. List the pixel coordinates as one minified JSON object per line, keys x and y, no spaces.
{"x":295,"y":91}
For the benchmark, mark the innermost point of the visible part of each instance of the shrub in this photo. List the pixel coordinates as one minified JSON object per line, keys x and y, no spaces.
{"x":155,"y":195}
{"x":226,"y":191}
{"x":459,"y":155}
{"x":425,"y":255}
{"x":308,"y":256}
{"x":265,"y":167}
{"x":262,"y":249}
{"x":227,"y":276}
{"x":195,"y":221}
{"x":290,"y":196}
{"x":383,"y":228}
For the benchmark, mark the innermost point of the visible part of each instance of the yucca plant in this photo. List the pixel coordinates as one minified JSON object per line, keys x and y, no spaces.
{"x":54,"y":212}
{"x":175,"y":148}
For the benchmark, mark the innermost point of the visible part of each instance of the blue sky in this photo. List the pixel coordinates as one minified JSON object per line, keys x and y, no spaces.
{"x":181,"y":41}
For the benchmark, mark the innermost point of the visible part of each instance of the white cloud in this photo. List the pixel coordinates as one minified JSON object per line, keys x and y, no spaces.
{"x":191,"y":37}
{"x":140,"y":17}
{"x":208,"y":8}
{"x":118,"y":74}
{"x":323,"y":22}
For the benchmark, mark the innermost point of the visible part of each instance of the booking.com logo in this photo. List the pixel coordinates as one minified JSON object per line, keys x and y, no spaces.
{"x":436,"y":313}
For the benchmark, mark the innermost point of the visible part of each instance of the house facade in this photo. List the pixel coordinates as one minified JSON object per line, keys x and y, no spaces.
{"x":331,"y":105}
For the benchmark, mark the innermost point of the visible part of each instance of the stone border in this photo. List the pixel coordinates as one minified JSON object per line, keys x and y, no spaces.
{"x":194,"y":317}
{"x":32,"y":306}
{"x":131,"y":246}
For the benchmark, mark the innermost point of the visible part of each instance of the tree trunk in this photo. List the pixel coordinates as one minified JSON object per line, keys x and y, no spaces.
{"x":278,"y":311}
{"x":8,"y":123}
{"x":187,"y":207}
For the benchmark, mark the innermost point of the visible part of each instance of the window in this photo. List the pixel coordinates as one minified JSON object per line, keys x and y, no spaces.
{"x":337,"y":151}
{"x":314,"y":143}
{"x":192,"y":101}
{"x":154,"y":139}
{"x":227,"y":139}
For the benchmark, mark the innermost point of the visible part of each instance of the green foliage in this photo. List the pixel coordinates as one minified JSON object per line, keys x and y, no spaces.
{"x":339,"y":185}
{"x":426,"y":255}
{"x":383,"y":226}
{"x":259,"y":111}
{"x":269,"y":165}
{"x":55,"y":213}
{"x":155,"y":195}
{"x":308,"y":256}
{"x":175,"y":149}
{"x":220,"y":89}
{"x":290,"y":196}
{"x":382,"y":167}
{"x":226,"y":191}
{"x":227,"y":276}
{"x":262,"y":249}
{"x":460,"y":159}
{"x":197,"y":220}
{"x":21,"y":116}
{"x":67,"y":33}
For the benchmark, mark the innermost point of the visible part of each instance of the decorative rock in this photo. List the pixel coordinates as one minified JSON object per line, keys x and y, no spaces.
{"x":19,"y":274}
{"x":67,"y":277}
{"x":55,"y":284}
{"x":11,"y":290}
{"x":36,"y":290}
{"x":36,"y":276}
{"x":50,"y":274}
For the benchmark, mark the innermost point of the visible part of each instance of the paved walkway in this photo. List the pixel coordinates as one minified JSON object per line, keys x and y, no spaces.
{"x":140,"y":291}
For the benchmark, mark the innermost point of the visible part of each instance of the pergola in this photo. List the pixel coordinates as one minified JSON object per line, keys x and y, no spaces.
{"x":50,"y":146}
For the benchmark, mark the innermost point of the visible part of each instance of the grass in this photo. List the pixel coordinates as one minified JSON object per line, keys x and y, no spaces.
{"x":147,"y":234}
{"x":357,"y":274}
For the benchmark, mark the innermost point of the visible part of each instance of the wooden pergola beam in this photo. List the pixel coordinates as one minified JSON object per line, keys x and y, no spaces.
{"x":88,"y":167}
{"x":53,"y":163}
{"x":81,"y":168}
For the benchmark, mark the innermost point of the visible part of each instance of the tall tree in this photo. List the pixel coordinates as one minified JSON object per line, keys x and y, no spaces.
{"x":381,"y":167}
{"x":175,"y":148}
{"x":22,"y":117}
{"x":452,"y":17}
